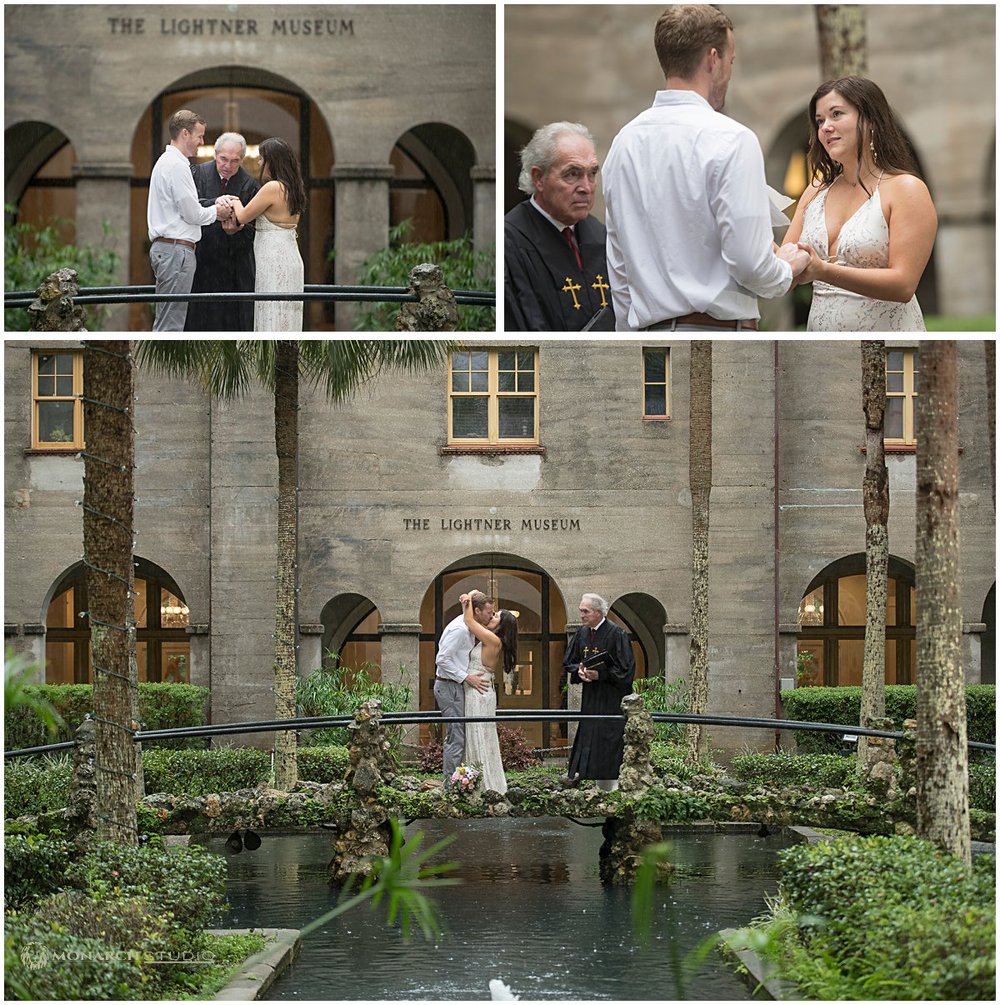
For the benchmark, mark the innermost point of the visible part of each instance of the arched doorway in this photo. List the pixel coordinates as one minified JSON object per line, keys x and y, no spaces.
{"x":163,"y":652}
{"x":988,"y":640}
{"x":257,"y":104}
{"x":515,"y":139}
{"x":350,"y":634}
{"x":832,"y":625}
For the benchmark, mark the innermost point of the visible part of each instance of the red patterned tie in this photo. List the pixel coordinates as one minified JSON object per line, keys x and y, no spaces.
{"x":574,"y":247}
{"x":224,"y":181}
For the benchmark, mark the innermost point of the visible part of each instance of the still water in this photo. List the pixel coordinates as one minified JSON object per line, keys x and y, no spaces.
{"x":531,"y":911}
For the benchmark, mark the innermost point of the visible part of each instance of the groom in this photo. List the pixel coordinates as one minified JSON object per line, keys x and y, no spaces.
{"x":453,"y":676}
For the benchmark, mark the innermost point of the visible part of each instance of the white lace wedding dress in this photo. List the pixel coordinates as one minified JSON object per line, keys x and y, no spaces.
{"x":482,"y":747}
{"x":279,"y":270}
{"x":864,"y":244}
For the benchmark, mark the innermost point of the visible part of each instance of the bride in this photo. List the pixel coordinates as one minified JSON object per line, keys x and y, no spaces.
{"x":498,"y":640}
{"x":279,"y":204}
{"x":867,"y":220}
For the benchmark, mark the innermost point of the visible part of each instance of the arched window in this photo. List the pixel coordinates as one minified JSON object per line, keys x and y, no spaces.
{"x":163,"y":652}
{"x":832,"y":625}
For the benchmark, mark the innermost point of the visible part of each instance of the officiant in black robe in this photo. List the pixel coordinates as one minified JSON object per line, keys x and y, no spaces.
{"x":545,"y":287}
{"x":606,"y":651}
{"x":555,"y":270}
{"x":225,"y":261}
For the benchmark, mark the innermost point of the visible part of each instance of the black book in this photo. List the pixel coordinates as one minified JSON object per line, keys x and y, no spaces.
{"x":595,"y":661}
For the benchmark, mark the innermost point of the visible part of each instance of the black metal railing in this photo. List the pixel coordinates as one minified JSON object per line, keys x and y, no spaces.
{"x":433,"y":717}
{"x":95,"y":295}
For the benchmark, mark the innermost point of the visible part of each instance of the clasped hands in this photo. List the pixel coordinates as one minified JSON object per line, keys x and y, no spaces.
{"x":803,"y":259}
{"x":225,"y":210}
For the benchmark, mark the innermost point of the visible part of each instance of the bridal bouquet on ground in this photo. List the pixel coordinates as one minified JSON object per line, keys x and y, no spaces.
{"x":465,"y":778}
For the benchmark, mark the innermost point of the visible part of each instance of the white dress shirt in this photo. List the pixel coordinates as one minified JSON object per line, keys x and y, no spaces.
{"x":173,"y":209}
{"x":688,"y":217}
{"x":453,"y":652}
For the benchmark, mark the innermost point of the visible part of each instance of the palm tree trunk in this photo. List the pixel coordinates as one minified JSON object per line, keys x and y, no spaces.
{"x":843,"y":45}
{"x":700,"y":476}
{"x":942,"y":752}
{"x":875,"y":489}
{"x":109,"y":460}
{"x":286,"y":438}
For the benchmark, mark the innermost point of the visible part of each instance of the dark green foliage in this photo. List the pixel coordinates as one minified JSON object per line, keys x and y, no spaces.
{"x":34,"y":865}
{"x":33,"y":785}
{"x":341,"y":691}
{"x":900,"y":909}
{"x":463,"y":268}
{"x":983,"y":784}
{"x":323,"y":764}
{"x":659,"y":696}
{"x":109,"y":916}
{"x":672,"y":807}
{"x":188,"y":883}
{"x":31,"y":253}
{"x":46,"y":965}
{"x":161,"y":706}
{"x":842,"y":705}
{"x":821,"y":771}
{"x":202,"y":772}
{"x":670,"y":761}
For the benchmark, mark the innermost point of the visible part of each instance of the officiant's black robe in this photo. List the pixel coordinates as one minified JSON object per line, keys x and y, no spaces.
{"x":225,"y":261}
{"x":600,"y":743}
{"x":544,"y":288}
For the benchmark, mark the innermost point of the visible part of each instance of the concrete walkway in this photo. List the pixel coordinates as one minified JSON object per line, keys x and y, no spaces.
{"x":261,"y":970}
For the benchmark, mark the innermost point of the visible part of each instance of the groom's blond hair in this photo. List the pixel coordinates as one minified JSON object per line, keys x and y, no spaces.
{"x":184,"y":118}
{"x":685,"y":32}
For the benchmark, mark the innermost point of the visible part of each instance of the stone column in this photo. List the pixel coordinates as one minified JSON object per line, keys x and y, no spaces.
{"x":965,"y":259}
{"x":484,"y":194}
{"x":788,"y":652}
{"x":401,"y":665}
{"x":677,"y":652}
{"x":103,"y":197}
{"x":310,"y":656}
{"x":575,"y":694}
{"x":201,"y":668}
{"x":362,"y":215}
{"x":29,"y":640}
{"x":972,"y":651}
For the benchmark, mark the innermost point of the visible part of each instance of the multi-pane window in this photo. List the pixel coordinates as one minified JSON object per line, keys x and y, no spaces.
{"x":493,"y":397}
{"x":902,"y":367}
{"x":656,"y":383}
{"x":57,"y":400}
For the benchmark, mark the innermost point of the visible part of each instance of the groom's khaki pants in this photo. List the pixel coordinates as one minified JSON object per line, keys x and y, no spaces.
{"x":450,"y":696}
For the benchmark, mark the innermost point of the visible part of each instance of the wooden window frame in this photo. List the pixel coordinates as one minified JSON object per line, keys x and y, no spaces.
{"x":494,"y":394}
{"x":77,"y":444}
{"x":666,"y":383}
{"x":908,"y":395}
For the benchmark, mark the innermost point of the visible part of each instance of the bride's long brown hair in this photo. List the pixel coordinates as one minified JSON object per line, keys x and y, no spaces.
{"x":279,"y":159}
{"x":507,"y":634}
{"x":877,"y":127}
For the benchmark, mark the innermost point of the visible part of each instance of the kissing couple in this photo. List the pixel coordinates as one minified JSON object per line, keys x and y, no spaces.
{"x":473,"y":649}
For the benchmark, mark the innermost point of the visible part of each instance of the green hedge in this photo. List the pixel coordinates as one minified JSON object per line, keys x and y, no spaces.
{"x":843,"y":705}
{"x":899,"y":919}
{"x":201,"y":772}
{"x":827,"y":771}
{"x":322,"y":764}
{"x":161,"y":706}
{"x":983,"y":784}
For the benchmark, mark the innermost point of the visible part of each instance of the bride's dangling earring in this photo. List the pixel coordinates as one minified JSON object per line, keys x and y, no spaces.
{"x":871,"y":146}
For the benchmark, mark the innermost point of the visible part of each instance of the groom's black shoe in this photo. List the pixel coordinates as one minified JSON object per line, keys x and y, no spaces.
{"x":570,"y":783}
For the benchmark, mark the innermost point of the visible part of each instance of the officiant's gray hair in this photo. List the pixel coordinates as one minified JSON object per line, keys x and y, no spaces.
{"x":595,"y":601}
{"x":540,"y":151}
{"x":231,"y":138}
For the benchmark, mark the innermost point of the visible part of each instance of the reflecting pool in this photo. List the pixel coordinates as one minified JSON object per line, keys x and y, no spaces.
{"x":531,"y":911}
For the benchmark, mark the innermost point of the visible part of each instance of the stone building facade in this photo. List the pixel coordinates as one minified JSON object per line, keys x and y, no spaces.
{"x":935,"y":63}
{"x":391,"y":109}
{"x":576,"y":480}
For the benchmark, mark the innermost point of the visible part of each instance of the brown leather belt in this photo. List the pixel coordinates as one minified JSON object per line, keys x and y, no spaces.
{"x":703,"y":319}
{"x":174,"y":240}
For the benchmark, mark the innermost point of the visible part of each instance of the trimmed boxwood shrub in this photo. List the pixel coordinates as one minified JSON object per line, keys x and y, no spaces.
{"x":33,"y":785}
{"x":898,"y":915}
{"x":201,"y":772}
{"x":323,"y":764}
{"x":34,"y":865}
{"x":161,"y":706}
{"x":826,"y":771}
{"x":842,"y":705}
{"x":983,"y":784}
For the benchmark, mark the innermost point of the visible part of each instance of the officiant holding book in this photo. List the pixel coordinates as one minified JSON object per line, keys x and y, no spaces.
{"x":600,"y":660}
